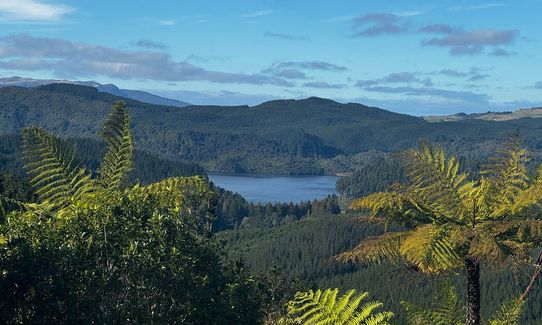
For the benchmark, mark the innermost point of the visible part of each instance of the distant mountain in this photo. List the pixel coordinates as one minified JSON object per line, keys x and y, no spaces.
{"x":30,"y":82}
{"x":142,"y":96}
{"x":139,"y":95}
{"x":280,"y":136}
{"x":535,"y":112}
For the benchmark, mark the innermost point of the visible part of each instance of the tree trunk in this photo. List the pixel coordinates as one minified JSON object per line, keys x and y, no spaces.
{"x":473,"y":291}
{"x":534,"y":277}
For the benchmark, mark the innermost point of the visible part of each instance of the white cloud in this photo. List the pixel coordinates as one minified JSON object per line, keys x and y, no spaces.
{"x":258,"y":13}
{"x":409,"y":13}
{"x":31,"y":10}
{"x":477,"y":7}
{"x":68,"y":59}
{"x":166,"y":22}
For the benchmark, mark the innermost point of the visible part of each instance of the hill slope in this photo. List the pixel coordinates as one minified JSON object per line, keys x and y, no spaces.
{"x":139,"y":95}
{"x":535,"y":112}
{"x":283,"y":136}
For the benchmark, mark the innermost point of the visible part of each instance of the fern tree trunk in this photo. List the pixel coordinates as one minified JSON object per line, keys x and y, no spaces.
{"x":473,"y":291}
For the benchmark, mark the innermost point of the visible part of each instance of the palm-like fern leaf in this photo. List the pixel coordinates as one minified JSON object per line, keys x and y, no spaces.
{"x":509,"y":313}
{"x":322,"y":307}
{"x":500,"y":242}
{"x":507,"y":176}
{"x":117,"y":161}
{"x":178,"y":193}
{"x":432,"y":249}
{"x":376,"y":249}
{"x":436,"y":180}
{"x":429,"y":248}
{"x":530,"y":196}
{"x":399,"y":204}
{"x":54,"y":175}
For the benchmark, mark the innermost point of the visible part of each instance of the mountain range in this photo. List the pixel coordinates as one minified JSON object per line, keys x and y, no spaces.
{"x":312,"y":135}
{"x":139,"y":95}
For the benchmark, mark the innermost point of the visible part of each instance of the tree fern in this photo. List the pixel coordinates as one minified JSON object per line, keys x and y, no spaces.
{"x":451,"y":222}
{"x":323,"y":307}
{"x":118,"y":159}
{"x":55,"y":176}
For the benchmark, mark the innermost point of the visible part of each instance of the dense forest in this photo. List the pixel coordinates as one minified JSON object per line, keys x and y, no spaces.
{"x":309,"y":136}
{"x":379,"y":171}
{"x":96,"y":231}
{"x":302,"y":251}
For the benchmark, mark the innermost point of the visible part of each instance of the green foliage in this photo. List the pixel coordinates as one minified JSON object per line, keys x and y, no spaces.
{"x":301,"y":250}
{"x":509,"y":313}
{"x":147,"y":168}
{"x":118,"y":159}
{"x":453,"y":221}
{"x":446,"y":310}
{"x":95,"y":251}
{"x":62,"y":183}
{"x":131,"y":260}
{"x":55,"y":176}
{"x":324,"y":307}
{"x":453,"y":217}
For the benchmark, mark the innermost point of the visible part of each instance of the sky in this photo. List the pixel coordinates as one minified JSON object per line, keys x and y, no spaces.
{"x":414,"y":57}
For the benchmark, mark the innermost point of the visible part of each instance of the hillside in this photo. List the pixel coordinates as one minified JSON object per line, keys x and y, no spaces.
{"x":282,"y":136}
{"x":139,"y":95}
{"x":535,"y":112}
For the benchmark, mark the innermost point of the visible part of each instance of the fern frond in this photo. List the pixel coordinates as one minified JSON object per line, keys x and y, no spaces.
{"x":398,"y":204}
{"x":531,"y":195}
{"x":351,"y":304}
{"x":509,"y":313}
{"x":431,"y":249}
{"x":117,"y":161}
{"x":507,"y":175}
{"x":322,"y":307}
{"x":376,"y":249}
{"x":181,"y":194}
{"x":380,"y":202}
{"x":55,"y":176}
{"x":436,"y":180}
{"x":367,"y":314}
{"x":488,"y":248}
{"x":519,"y":230}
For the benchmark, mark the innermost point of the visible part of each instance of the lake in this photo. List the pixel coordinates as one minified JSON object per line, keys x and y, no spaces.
{"x":258,"y":188}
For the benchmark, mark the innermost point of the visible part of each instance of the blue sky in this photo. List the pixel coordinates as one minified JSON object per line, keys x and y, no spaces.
{"x":416,"y":57}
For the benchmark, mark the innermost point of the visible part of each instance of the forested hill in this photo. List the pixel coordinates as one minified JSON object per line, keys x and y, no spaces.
{"x":282,"y":136}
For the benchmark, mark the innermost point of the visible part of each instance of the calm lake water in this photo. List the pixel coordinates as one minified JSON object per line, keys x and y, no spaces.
{"x":256,"y":188}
